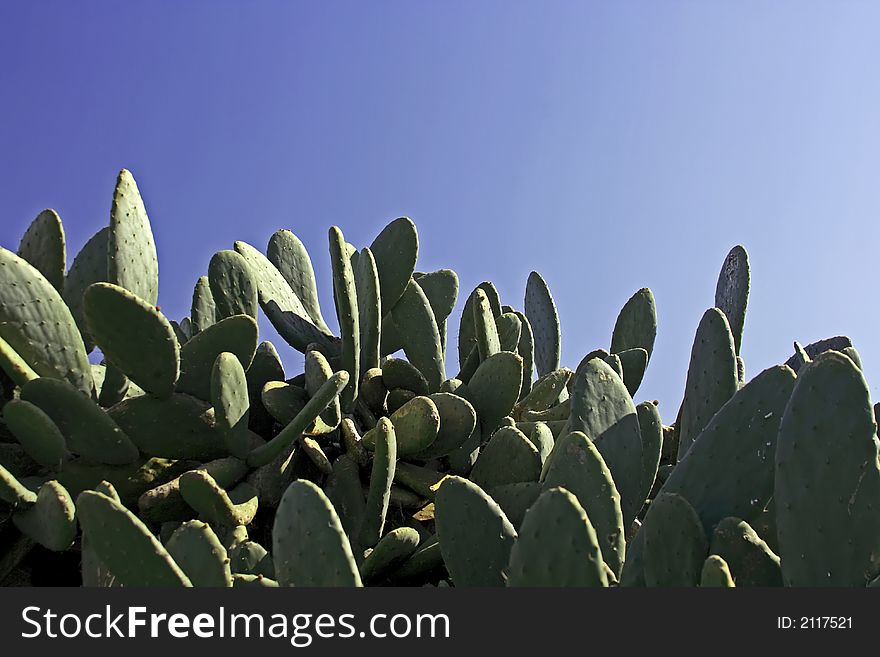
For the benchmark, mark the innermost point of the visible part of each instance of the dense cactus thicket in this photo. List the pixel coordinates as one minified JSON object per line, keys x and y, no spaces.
{"x":189,"y":457}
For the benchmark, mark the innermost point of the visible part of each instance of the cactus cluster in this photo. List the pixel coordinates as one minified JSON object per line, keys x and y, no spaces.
{"x":188,"y":457}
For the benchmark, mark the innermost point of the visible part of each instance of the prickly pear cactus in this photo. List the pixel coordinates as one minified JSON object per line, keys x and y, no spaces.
{"x":195,"y":459}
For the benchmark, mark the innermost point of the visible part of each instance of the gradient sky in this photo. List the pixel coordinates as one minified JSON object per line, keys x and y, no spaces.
{"x":609,"y":145}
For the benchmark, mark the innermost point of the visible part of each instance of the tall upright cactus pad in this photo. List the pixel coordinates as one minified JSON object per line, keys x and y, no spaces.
{"x":732,"y":291}
{"x":633,"y":362}
{"x":233,"y":287}
{"x":415,"y":319}
{"x":237,"y":334}
{"x":89,"y":266}
{"x":203,"y":311}
{"x":134,"y":337}
{"x":345,"y":296}
{"x":381,"y":476}
{"x":675,"y":544}
{"x":578,"y":467}
{"x":44,"y":247}
{"x":125,"y":545}
{"x":750,"y":559}
{"x":396,"y":249}
{"x":651,"y":431}
{"x":196,"y":549}
{"x":557,"y":545}
{"x":309,"y":545}
{"x":828,"y":478}
{"x":229,"y":397}
{"x":485,"y":328}
{"x":369,"y":302}
{"x":526,"y":349}
{"x":290,"y":257}
{"x":266,"y":366}
{"x":541,"y":312}
{"x":602,"y":409}
{"x":636,"y":325}
{"x":467,"y":338}
{"x":475,"y":535}
{"x":131,"y":251}
{"x":494,"y":388}
{"x":712,"y":377}
{"x":88,"y":429}
{"x":282,"y":307}
{"x":441,"y":289}
{"x":38,"y":326}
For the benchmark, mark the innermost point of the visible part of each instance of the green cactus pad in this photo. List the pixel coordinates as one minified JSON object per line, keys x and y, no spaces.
{"x":675,"y":545}
{"x":558,"y":412}
{"x":236,"y":334}
{"x":578,"y":467}
{"x":43,"y":246}
{"x":201,"y":491}
{"x":828,"y":478}
{"x":233,"y":287}
{"x":229,"y":397}
{"x":393,"y":550}
{"x":345,"y":295}
{"x":398,"y":373}
{"x":292,"y":260}
{"x":15,"y":367}
{"x":732,"y":291}
{"x":196,"y":549}
{"x":114,"y":387}
{"x":321,"y":400}
{"x":475,"y":535}
{"x":343,"y":489}
{"x":381,"y":476}
{"x":38,"y":434}
{"x":125,"y":545}
{"x":414,"y":318}
{"x":526,"y":349}
{"x":651,"y":431}
{"x":179,"y":427}
{"x":134,"y":337}
{"x":751,"y":561}
{"x":508,"y":458}
{"x":396,"y":250}
{"x":203,"y":312}
{"x":457,"y":422}
{"x":251,"y":558}
{"x":423,"y":561}
{"x":515,"y":499}
{"x":633,"y":363}
{"x":87,"y":428}
{"x":283,"y":401}
{"x":37,"y":325}
{"x":266,"y":366}
{"x":309,"y":545}
{"x":50,"y":521}
{"x":546,"y":391}
{"x":494,"y":388}
{"x":509,"y":330}
{"x":485,"y":329}
{"x":416,"y":425}
{"x":317,"y":373}
{"x":712,"y":377}
{"x":423,"y":481}
{"x":467,"y":337}
{"x":89,"y":266}
{"x":715,"y":573}
{"x":812,"y":350}
{"x":636,"y":325}
{"x":603,"y":410}
{"x":557,"y":545}
{"x":313,"y":450}
{"x":369,"y":311}
{"x":541,"y":312}
{"x":131,"y":251}
{"x":283,"y":308}
{"x":13,"y":492}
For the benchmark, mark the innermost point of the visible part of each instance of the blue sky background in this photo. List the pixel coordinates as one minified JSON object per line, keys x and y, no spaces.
{"x":609,"y":145}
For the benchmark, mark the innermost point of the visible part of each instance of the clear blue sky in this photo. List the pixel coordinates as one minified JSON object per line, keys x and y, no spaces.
{"x":609,"y":145}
